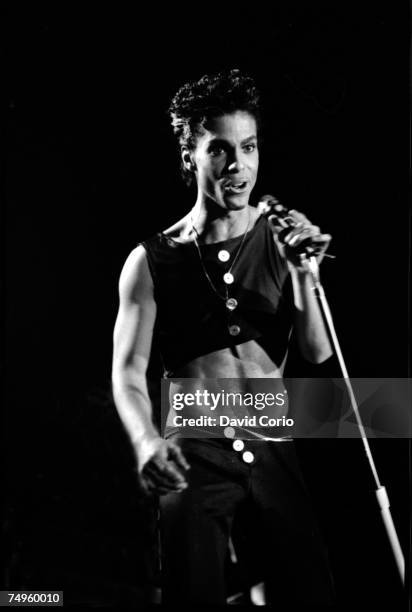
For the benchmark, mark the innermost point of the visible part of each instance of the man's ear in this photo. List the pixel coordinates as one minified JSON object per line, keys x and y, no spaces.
{"x":187,"y":160}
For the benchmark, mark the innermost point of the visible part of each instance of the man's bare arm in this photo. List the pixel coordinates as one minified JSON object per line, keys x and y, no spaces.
{"x":311,"y":332}
{"x":310,"y":329}
{"x":160,"y":463}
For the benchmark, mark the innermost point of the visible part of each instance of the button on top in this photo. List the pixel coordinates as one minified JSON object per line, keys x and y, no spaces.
{"x":238,"y":445}
{"x":229,"y":432}
{"x":248,"y":457}
{"x":223,"y":255}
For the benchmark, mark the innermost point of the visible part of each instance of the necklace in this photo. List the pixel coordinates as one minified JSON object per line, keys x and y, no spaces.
{"x":230,"y":302}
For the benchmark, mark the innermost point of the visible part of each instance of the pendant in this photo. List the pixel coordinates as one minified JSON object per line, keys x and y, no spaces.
{"x":231,"y":303}
{"x":228,"y":278}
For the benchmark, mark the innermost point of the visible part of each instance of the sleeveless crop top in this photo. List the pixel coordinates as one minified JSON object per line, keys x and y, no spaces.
{"x":192,"y":320}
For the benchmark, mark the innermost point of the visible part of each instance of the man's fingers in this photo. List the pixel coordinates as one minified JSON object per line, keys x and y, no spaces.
{"x":161,"y":490}
{"x":275,"y":222}
{"x":151,"y":487}
{"x":165,"y":491}
{"x":326,"y":238}
{"x":178,"y":457}
{"x":172,"y":472}
{"x":310,"y":234}
{"x":297,"y":216}
{"x":158,"y":477}
{"x":298,"y":235}
{"x":321,"y":243}
{"x":144,"y":485}
{"x":164,"y":472}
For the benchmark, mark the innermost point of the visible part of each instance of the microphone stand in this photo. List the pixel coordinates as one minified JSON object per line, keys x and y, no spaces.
{"x":381,"y":494}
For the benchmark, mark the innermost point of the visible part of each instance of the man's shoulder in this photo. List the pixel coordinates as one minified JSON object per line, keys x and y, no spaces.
{"x":180,"y":231}
{"x":135,"y":264}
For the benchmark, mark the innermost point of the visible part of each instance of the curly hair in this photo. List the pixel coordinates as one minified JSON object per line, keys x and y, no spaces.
{"x":213,"y":95}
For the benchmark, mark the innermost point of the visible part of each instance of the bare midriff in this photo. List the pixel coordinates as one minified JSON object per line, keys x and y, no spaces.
{"x":242,"y":363}
{"x":247,"y":360}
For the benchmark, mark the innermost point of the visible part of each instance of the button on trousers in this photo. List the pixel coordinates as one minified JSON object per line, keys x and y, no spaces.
{"x":264,"y":502}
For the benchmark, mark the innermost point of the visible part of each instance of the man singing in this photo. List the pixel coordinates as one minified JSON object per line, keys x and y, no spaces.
{"x":223,"y":293}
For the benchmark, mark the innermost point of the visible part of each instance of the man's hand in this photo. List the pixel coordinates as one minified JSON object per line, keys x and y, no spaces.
{"x":161,"y":466}
{"x":291,"y":240}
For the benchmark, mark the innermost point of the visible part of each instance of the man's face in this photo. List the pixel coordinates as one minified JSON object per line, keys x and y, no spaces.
{"x":226,"y":160}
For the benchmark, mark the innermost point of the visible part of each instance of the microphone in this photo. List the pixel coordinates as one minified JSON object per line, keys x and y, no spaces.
{"x":269,"y":206}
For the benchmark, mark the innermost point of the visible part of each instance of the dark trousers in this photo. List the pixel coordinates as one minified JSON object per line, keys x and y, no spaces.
{"x":265,"y":500}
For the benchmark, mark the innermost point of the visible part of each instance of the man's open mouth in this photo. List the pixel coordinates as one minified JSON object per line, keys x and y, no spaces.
{"x":235,"y":187}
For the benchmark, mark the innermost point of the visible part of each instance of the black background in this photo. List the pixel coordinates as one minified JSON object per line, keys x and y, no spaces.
{"x":92,"y":169}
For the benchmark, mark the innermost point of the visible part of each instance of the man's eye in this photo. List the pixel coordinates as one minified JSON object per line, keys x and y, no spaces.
{"x":216,"y":151}
{"x":250,"y":148}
